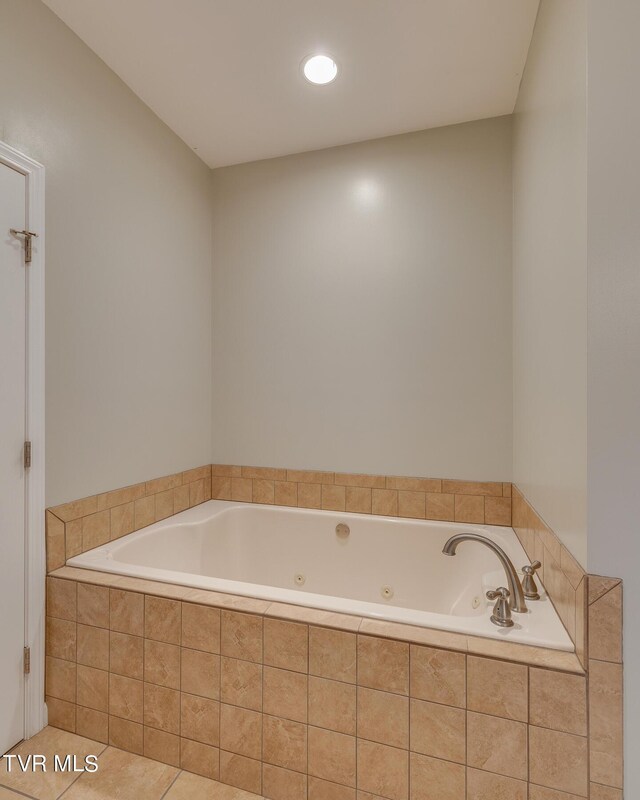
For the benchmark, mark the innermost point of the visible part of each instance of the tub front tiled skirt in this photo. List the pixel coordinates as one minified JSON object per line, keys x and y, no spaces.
{"x":292,"y":710}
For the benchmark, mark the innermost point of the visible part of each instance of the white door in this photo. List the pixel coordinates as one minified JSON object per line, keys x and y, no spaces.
{"x":13,"y":319}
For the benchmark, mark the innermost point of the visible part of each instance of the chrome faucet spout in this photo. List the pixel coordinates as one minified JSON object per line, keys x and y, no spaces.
{"x":516,"y":595}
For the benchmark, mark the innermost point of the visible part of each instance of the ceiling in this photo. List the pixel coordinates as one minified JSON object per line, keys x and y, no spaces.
{"x":225,"y":74}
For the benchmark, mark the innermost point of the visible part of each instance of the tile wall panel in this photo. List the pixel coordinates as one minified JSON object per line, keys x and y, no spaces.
{"x":75,"y":527}
{"x":416,"y":498}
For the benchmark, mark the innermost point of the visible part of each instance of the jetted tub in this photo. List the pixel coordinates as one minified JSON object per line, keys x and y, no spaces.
{"x":384,"y":568}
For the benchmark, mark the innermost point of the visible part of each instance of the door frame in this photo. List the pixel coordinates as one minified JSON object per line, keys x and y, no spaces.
{"x":35,"y":716}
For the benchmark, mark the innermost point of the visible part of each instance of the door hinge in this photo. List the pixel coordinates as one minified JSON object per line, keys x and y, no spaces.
{"x":27,"y":455}
{"x":28,"y":236}
{"x":27,"y":660}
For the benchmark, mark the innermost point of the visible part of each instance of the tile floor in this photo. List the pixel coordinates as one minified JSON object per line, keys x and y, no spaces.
{"x":120,"y":775}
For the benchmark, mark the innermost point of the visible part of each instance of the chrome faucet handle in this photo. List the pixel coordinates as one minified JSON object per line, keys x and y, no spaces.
{"x":502,"y":610}
{"x":529,"y":586}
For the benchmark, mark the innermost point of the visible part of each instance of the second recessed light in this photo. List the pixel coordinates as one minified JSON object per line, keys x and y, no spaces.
{"x":319,"y":69}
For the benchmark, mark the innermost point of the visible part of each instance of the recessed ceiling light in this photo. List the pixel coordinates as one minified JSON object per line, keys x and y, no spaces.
{"x":319,"y":69}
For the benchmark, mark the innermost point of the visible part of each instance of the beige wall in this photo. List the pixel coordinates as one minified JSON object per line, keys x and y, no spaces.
{"x":362,"y":307}
{"x":614,"y":328}
{"x":550,"y":274}
{"x":128,"y":297}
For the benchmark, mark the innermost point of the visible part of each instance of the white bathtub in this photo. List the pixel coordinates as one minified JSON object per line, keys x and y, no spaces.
{"x":386,"y":568}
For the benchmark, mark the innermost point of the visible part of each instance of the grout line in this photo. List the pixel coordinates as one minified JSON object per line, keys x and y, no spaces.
{"x":307,"y":724}
{"x":606,"y":785}
{"x":466,"y":724}
{"x":357,"y":684}
{"x":18,"y":791}
{"x":262,"y":668}
{"x":409,"y":735}
{"x":527,"y":731}
{"x":602,"y":661}
{"x":170,"y":786}
{"x":180,"y":648}
{"x":144,"y":656}
{"x":77,"y":778}
{"x":604,"y":594}
{"x":588,"y":704}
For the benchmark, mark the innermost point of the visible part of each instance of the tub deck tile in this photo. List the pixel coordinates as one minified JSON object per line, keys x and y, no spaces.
{"x":561,"y":660}
{"x":414,"y":633}
{"x":314,"y":616}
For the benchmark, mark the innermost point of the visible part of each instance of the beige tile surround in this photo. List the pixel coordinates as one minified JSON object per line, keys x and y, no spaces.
{"x":487,"y":502}
{"x":292,"y":709}
{"x":73,"y":528}
{"x":563,"y":577}
{"x":80,"y":525}
{"x":81,"y":649}
{"x":590,"y":607}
